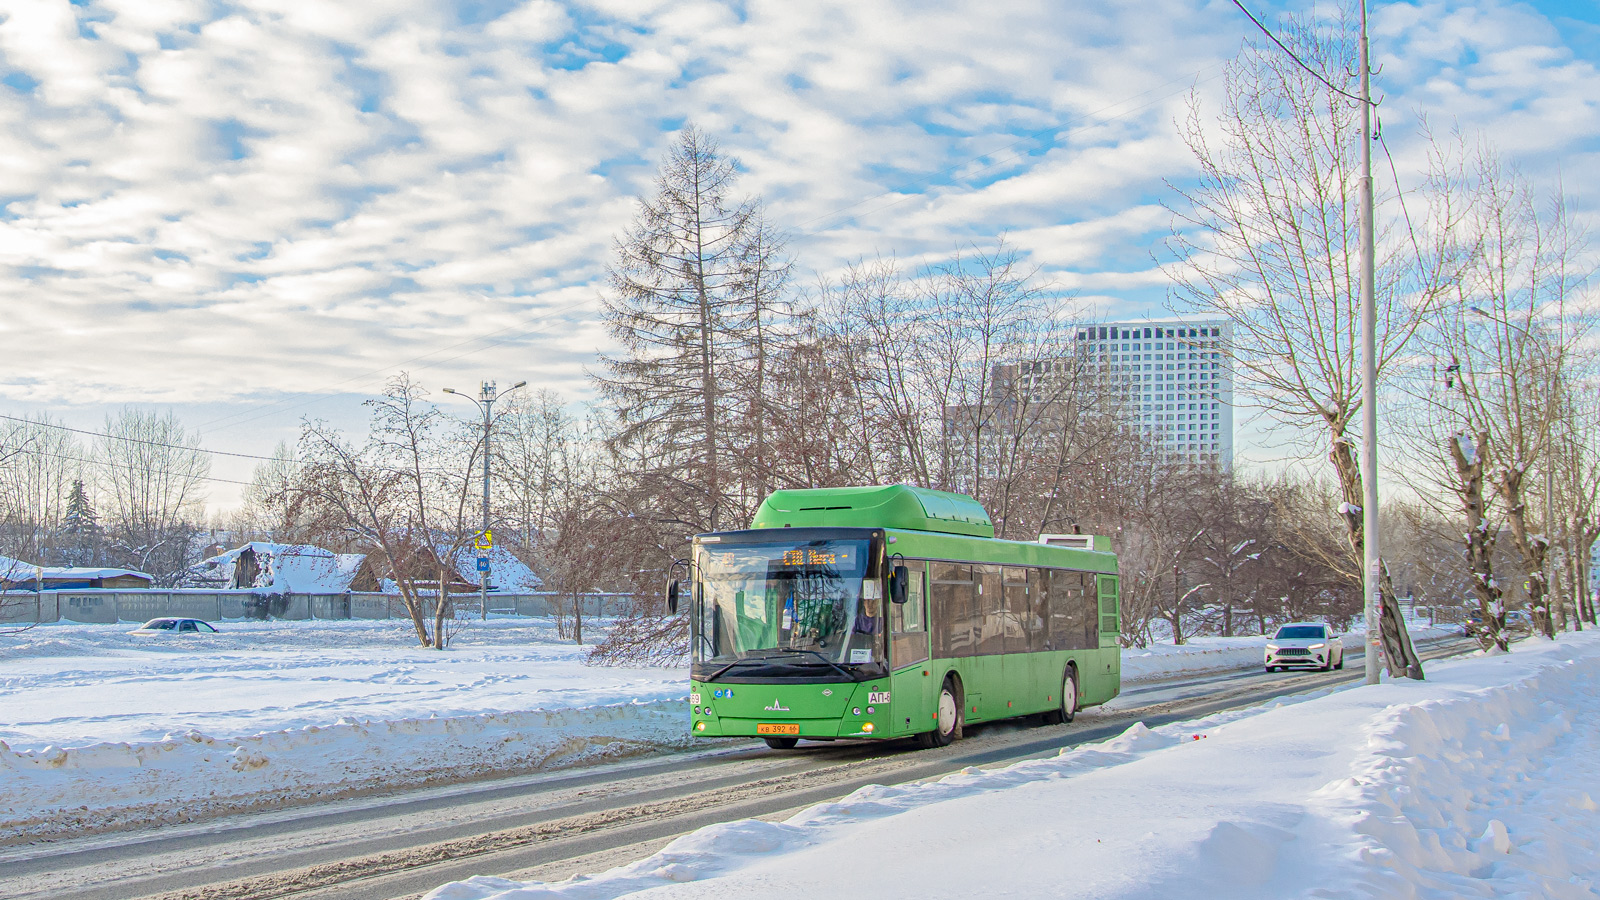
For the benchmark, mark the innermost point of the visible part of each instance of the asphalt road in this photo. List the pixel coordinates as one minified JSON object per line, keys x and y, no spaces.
{"x":552,"y":826}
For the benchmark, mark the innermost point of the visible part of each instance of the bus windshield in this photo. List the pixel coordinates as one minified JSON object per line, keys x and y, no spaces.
{"x":802,"y":604}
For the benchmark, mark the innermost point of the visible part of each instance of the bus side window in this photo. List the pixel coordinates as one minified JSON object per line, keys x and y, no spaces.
{"x":908,"y":622}
{"x":1039,"y":619}
{"x":1073,"y":613}
{"x":954,"y":610}
{"x":1018,"y":611}
{"x":992,"y":610}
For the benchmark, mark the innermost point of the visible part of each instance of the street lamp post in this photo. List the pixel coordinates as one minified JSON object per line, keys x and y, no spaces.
{"x":485,"y":401}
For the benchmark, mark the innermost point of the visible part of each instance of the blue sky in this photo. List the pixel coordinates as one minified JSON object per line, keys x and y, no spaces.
{"x":259,"y":210}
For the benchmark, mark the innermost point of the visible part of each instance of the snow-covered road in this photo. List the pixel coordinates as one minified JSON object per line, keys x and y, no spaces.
{"x":1480,"y":782}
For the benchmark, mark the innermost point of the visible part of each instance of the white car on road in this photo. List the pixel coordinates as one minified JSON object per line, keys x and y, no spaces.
{"x":1304,"y":645}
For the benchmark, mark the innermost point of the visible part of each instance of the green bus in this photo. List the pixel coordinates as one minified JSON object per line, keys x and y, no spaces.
{"x":892,"y":612}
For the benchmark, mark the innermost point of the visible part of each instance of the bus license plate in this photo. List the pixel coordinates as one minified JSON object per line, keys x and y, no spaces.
{"x":765,"y":728}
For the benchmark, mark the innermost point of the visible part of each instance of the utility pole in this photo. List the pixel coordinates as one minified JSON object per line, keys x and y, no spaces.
{"x":1371,"y":561}
{"x":485,"y":543}
{"x":1551,"y":601}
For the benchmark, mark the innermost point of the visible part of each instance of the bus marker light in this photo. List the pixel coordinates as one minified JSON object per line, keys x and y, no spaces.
{"x":870,"y":710}
{"x":856,"y":711}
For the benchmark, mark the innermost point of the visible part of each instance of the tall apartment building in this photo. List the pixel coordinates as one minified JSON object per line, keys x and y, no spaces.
{"x":1173,"y":376}
{"x":1176,"y":377}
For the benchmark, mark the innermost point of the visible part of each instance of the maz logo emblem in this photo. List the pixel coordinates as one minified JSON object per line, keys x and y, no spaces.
{"x":827,"y":692}
{"x":777,"y":706}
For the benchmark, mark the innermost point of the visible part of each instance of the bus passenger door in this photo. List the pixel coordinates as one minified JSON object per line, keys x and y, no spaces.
{"x":914,"y":694}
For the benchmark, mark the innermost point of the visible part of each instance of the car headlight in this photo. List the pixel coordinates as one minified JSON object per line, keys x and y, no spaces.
{"x":1272,"y":646}
{"x":1316,"y":646}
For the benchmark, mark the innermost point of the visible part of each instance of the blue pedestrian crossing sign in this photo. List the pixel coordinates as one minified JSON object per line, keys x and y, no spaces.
{"x":483,"y":564}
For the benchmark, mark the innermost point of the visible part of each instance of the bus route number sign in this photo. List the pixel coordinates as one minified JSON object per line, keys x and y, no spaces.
{"x":804,"y":556}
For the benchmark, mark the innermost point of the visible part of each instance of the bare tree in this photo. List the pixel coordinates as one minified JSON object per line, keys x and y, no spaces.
{"x":152,"y":473}
{"x":1268,"y":238}
{"x":41,"y":461}
{"x":1510,"y":338}
{"x":402,"y":497}
{"x":1577,"y":465}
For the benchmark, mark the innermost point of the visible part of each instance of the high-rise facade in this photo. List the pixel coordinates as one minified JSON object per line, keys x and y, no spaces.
{"x":1176,"y":377}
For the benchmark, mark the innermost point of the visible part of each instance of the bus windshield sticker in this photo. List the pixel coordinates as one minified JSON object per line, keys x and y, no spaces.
{"x":861,"y":654}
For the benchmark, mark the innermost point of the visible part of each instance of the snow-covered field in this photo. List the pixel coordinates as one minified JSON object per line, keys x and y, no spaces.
{"x":99,"y":728}
{"x":1480,"y":782}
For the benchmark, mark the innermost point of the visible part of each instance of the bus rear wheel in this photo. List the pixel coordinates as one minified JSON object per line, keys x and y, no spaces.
{"x":781,"y":743}
{"x":1069,"y":700}
{"x":949,"y":719}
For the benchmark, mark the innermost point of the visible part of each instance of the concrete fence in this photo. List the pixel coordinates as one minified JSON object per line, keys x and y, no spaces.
{"x":114,"y":606}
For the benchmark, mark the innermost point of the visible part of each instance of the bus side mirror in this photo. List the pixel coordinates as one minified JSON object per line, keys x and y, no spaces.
{"x":672,"y":597}
{"x":897,"y":584}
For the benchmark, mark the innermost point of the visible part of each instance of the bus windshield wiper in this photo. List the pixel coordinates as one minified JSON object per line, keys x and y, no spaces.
{"x":826,"y":661}
{"x":769,"y":658}
{"x":738,"y":662}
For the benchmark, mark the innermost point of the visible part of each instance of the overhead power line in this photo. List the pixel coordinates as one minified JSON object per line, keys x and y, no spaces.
{"x":1285,"y":48}
{"x":131,"y":440}
{"x":111,"y":465}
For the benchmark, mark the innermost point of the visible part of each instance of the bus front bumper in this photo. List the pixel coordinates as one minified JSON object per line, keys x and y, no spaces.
{"x":850,"y":727}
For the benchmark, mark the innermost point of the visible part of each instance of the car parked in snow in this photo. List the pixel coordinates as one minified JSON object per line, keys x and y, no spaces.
{"x":1304,"y":645}
{"x":172,"y":626}
{"x":1518,"y":622}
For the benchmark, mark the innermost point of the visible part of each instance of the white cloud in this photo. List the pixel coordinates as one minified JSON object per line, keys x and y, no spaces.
{"x":205,"y":198}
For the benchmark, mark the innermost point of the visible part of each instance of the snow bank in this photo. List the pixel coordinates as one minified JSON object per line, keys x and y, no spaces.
{"x":71,"y":685}
{"x":191,"y":776}
{"x":100,"y":729}
{"x":1479,"y":782}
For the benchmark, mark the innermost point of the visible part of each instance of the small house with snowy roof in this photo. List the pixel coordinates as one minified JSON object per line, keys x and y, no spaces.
{"x":273,"y":568}
{"x":18,"y":575}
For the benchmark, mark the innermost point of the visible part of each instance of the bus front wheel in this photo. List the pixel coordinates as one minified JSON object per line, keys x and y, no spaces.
{"x":949,"y":719}
{"x":781,"y":743}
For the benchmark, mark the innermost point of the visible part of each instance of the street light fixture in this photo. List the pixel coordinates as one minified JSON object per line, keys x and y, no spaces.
{"x":487,"y":395}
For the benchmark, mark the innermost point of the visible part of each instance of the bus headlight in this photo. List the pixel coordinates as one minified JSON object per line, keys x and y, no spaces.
{"x":867,"y":727}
